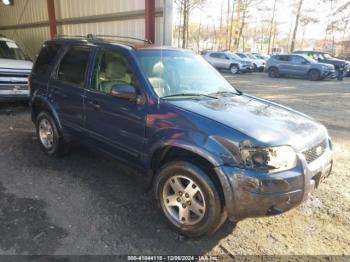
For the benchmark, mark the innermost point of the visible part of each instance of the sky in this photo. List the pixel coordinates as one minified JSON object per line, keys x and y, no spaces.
{"x":284,"y":14}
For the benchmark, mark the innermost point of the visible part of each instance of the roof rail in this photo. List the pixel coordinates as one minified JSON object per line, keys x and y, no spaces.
{"x":99,"y":37}
{"x":124,"y":37}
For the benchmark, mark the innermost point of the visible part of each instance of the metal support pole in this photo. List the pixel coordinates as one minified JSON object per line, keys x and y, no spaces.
{"x":52,"y":18}
{"x":150,"y":7}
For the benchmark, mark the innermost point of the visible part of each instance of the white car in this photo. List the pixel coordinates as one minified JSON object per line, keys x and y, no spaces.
{"x":259,"y":64}
{"x":228,"y":61}
{"x":15,"y":68}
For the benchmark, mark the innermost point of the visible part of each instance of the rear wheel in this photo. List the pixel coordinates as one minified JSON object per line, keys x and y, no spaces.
{"x":314,"y":75}
{"x":234,"y":69}
{"x":188,"y":199}
{"x":273,"y":72}
{"x":50,"y":140}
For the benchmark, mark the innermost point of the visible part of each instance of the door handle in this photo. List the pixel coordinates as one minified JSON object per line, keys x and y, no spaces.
{"x":95,"y":105}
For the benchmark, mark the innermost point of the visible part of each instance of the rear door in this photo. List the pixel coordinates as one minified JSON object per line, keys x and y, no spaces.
{"x":216,"y":60}
{"x":67,"y":86}
{"x":285,"y":64}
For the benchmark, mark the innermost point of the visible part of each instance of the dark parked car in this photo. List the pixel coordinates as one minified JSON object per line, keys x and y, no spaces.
{"x":208,"y":150}
{"x":299,"y":66}
{"x":323,"y":57}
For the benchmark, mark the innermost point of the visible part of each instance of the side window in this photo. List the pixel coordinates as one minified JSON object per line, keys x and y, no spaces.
{"x":222,"y":56}
{"x":298,"y":60}
{"x":46,"y":57}
{"x":215,"y":55}
{"x":284,"y":58}
{"x":111,"y":68}
{"x":74,"y":65}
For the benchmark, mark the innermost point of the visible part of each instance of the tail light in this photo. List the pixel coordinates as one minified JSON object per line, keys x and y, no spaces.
{"x":30,"y":84}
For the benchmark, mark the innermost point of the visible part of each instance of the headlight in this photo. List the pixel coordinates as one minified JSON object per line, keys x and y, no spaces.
{"x":273,"y":159}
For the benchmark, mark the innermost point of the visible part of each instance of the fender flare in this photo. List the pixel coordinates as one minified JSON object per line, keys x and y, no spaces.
{"x":47,"y":106}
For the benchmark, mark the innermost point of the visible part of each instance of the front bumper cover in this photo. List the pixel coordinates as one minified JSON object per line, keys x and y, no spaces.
{"x":250,"y":193}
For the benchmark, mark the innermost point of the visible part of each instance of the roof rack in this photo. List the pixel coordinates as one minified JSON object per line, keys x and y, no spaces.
{"x":99,"y":37}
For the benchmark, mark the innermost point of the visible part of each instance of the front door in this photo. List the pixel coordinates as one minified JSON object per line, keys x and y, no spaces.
{"x":117,"y":124}
{"x":67,"y":87}
{"x":300,"y":65}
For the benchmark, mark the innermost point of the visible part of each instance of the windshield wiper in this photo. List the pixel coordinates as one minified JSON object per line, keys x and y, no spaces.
{"x":227,"y":93}
{"x":190,"y":94}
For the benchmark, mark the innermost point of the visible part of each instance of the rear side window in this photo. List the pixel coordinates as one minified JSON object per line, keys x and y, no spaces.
{"x":216,"y":55}
{"x":74,"y":65}
{"x":283,"y":58}
{"x":46,"y":57}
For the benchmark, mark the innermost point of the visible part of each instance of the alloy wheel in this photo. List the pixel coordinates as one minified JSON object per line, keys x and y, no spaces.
{"x":46,"y":133}
{"x":183,"y":200}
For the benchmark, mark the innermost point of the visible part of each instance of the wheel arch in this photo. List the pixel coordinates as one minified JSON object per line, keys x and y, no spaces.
{"x":314,"y":69}
{"x":234,"y":64}
{"x":41,"y":104}
{"x":169,"y":153}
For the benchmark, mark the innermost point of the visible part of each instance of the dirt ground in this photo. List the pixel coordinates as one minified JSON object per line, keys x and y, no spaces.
{"x":86,"y":203}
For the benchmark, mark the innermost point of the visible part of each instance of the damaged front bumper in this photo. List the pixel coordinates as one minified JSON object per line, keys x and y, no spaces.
{"x":250,"y":193}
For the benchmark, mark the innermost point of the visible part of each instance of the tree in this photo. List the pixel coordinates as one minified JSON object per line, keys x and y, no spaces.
{"x":186,"y":7}
{"x":271,"y":26}
{"x":296,"y":25}
{"x":304,"y":22}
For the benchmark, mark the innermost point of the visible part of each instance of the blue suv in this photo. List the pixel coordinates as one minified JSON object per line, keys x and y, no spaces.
{"x":208,"y":150}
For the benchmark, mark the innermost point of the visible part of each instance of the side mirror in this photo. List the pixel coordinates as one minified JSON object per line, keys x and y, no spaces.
{"x":304,"y":62}
{"x":124,"y":91}
{"x":227,"y":58}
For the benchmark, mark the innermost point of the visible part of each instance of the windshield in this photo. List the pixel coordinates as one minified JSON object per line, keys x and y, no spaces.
{"x":241,"y":55}
{"x":327,"y":56}
{"x":234,"y":56}
{"x":250,"y":56}
{"x":309,"y":59}
{"x":178,"y":73}
{"x":10,"y":50}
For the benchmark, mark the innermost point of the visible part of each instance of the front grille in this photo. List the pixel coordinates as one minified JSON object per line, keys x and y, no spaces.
{"x":14,"y":74}
{"x":315,"y":152}
{"x":13,"y":78}
{"x":13,"y":82}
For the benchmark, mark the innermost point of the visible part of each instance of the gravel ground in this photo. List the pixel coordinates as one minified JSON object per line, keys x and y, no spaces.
{"x":86,"y":203}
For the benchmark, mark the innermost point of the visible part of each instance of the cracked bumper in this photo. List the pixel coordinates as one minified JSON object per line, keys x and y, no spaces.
{"x":250,"y":193}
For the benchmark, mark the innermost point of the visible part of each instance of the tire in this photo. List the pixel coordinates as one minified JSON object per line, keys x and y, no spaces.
{"x":273,"y":72}
{"x":314,"y":75}
{"x":255,"y":67}
{"x":174,"y":184}
{"x":50,"y":139}
{"x":234,"y":69}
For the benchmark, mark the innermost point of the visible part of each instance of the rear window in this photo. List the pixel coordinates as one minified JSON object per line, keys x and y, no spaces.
{"x":73,"y":66}
{"x":46,"y":57}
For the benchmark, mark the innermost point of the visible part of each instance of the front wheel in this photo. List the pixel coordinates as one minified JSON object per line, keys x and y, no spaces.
{"x":314,"y":75}
{"x":188,"y":199}
{"x":234,"y":69}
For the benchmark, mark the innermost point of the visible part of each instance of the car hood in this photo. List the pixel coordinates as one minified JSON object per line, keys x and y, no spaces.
{"x":15,"y":64}
{"x":264,"y":121}
{"x":334,"y":61}
{"x":330,"y":66}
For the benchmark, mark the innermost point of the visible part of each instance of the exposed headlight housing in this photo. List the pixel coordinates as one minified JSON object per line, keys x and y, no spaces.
{"x":272,"y":159}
